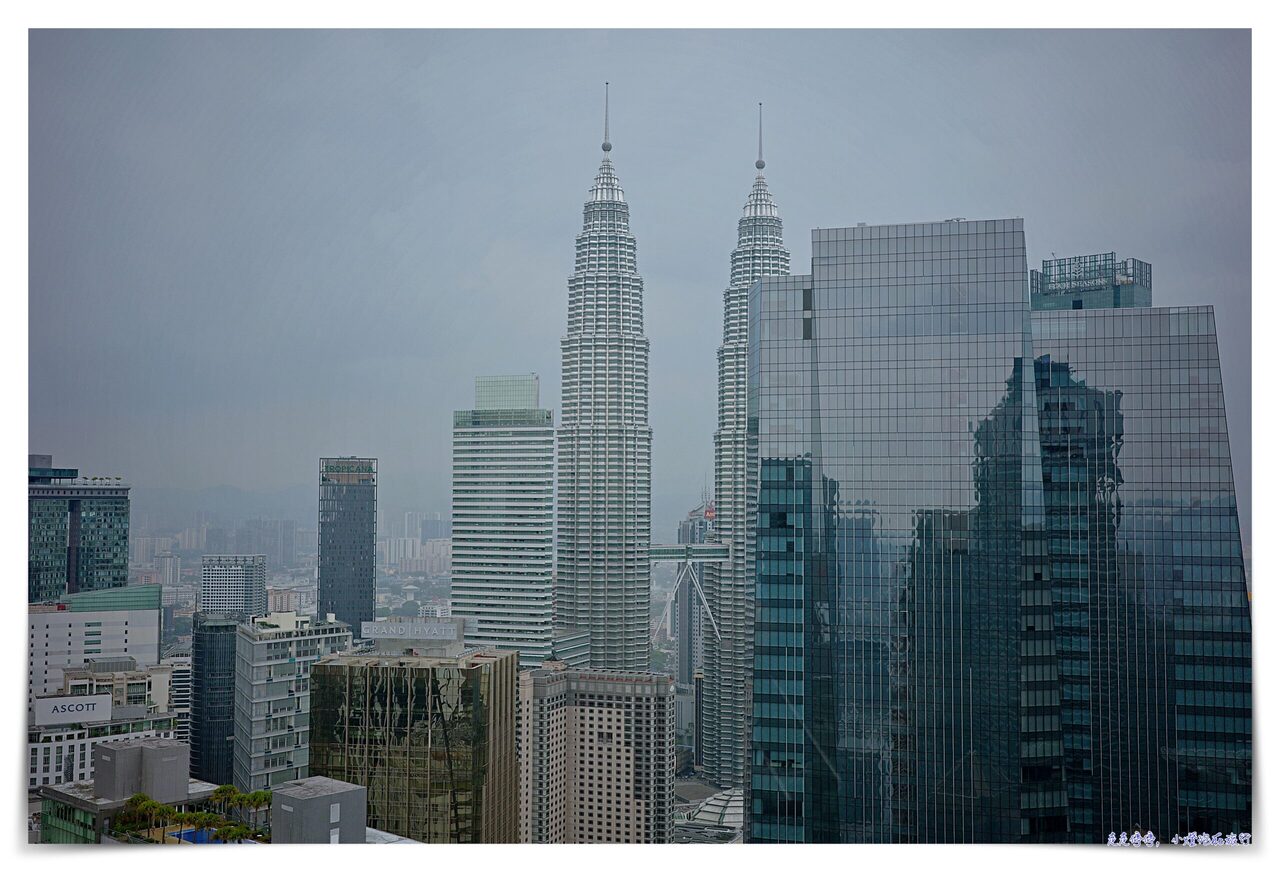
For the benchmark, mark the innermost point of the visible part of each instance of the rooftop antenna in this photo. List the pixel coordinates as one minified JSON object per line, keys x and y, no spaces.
{"x":760,"y":154}
{"x":606,"y":146}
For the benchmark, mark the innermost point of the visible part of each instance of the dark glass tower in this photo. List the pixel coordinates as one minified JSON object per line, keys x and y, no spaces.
{"x":1151,"y":614}
{"x":213,"y":683}
{"x":891,"y":401}
{"x":78,"y":531}
{"x":348,"y":534}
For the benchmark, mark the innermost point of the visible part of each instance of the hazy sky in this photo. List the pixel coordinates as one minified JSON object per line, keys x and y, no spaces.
{"x":249,"y":249}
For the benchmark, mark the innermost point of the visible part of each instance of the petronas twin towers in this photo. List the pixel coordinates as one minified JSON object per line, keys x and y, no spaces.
{"x":604,"y":460}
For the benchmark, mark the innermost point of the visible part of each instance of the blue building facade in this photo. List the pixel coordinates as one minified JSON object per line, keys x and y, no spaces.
{"x":891,"y":402}
{"x":999,"y":585}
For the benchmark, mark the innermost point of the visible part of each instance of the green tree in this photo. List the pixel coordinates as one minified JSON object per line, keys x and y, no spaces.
{"x":222,"y":795}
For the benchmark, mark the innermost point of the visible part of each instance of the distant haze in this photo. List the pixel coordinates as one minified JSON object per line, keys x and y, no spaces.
{"x":250,"y":249}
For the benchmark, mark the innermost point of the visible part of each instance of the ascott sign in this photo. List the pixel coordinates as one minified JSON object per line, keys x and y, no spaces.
{"x":409,"y":630}
{"x":72,"y":709}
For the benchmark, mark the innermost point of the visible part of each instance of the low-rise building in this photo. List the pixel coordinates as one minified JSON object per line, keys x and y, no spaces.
{"x":81,"y":812}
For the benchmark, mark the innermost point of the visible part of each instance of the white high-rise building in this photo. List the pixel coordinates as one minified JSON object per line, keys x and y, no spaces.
{"x":503,"y":553}
{"x":726,"y":662}
{"x":597,"y":755}
{"x":233,"y":583}
{"x":115,"y":622}
{"x":603,"y":464}
{"x":180,"y":695}
{"x":273,"y":695}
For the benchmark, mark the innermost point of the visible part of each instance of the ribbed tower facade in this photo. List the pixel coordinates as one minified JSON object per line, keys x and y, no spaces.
{"x":729,"y":586}
{"x":604,"y":441}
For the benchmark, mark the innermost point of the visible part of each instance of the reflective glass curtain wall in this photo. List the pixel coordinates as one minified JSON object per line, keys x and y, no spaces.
{"x":347,"y":539}
{"x":1151,"y":614}
{"x":891,"y":403}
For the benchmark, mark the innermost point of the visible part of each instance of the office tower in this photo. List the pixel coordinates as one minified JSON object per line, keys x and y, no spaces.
{"x":273,"y":695}
{"x":213,"y":682}
{"x":347,"y":538}
{"x":899,"y":497}
{"x":431,"y":737}
{"x":503,"y":553}
{"x":413,"y":525}
{"x":1093,"y":281}
{"x":170,"y":568}
{"x":1150,"y":624}
{"x":77,"y":531}
{"x":233,"y":583}
{"x":115,"y":622}
{"x":687,"y":609}
{"x":603,"y":487}
{"x":434,"y":527}
{"x":727,"y":659}
{"x":598,"y":755}
{"x":180,"y":695}
{"x":107,"y":699}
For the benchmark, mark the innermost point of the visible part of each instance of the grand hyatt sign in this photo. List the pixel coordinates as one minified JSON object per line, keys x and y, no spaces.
{"x":72,"y":709}
{"x":447,"y":631}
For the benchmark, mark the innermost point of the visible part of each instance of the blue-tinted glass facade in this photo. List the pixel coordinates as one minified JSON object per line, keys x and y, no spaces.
{"x":891,"y":407}
{"x":213,"y":683}
{"x":1000,"y":590}
{"x":77,"y":532}
{"x":1151,"y":615}
{"x":347,"y":539}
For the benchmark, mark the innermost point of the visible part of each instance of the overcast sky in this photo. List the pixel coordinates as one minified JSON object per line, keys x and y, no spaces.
{"x":250,"y":249}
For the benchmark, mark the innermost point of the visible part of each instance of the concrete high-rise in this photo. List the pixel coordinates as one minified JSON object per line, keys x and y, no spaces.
{"x":726,"y":659}
{"x":233,"y":583}
{"x":273,"y":695}
{"x":503,"y":553}
{"x":347,"y":539}
{"x":604,"y":441}
{"x":598,"y":755}
{"x":431,"y":737}
{"x":77,"y":531}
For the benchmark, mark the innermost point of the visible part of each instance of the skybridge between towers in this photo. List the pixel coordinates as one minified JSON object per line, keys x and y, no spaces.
{"x":687,"y":555}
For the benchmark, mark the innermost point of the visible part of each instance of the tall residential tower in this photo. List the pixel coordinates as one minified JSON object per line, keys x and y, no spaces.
{"x":727,"y":660}
{"x":602,"y":543}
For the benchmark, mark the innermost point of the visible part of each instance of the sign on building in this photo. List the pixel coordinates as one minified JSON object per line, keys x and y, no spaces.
{"x":51,"y":710}
{"x":439,"y":630}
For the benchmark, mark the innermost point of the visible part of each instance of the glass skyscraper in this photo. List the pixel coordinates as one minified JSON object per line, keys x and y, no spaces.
{"x":892,"y":402}
{"x":726,"y":659}
{"x":77,"y":531}
{"x":1000,"y":592}
{"x":347,"y":539}
{"x":605,"y":442}
{"x":1151,"y":617}
{"x":432,"y":738}
{"x":213,"y":686}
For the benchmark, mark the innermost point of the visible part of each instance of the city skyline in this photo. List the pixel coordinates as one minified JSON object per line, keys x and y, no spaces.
{"x":275,"y":187}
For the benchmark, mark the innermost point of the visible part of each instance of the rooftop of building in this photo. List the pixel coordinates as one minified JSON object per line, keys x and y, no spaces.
{"x":316,"y":785}
{"x":81,"y":794}
{"x":467,"y":658}
{"x":381,"y":837}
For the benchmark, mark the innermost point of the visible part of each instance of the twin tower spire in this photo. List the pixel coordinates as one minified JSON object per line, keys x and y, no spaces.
{"x":607,"y":146}
{"x":604,"y":451}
